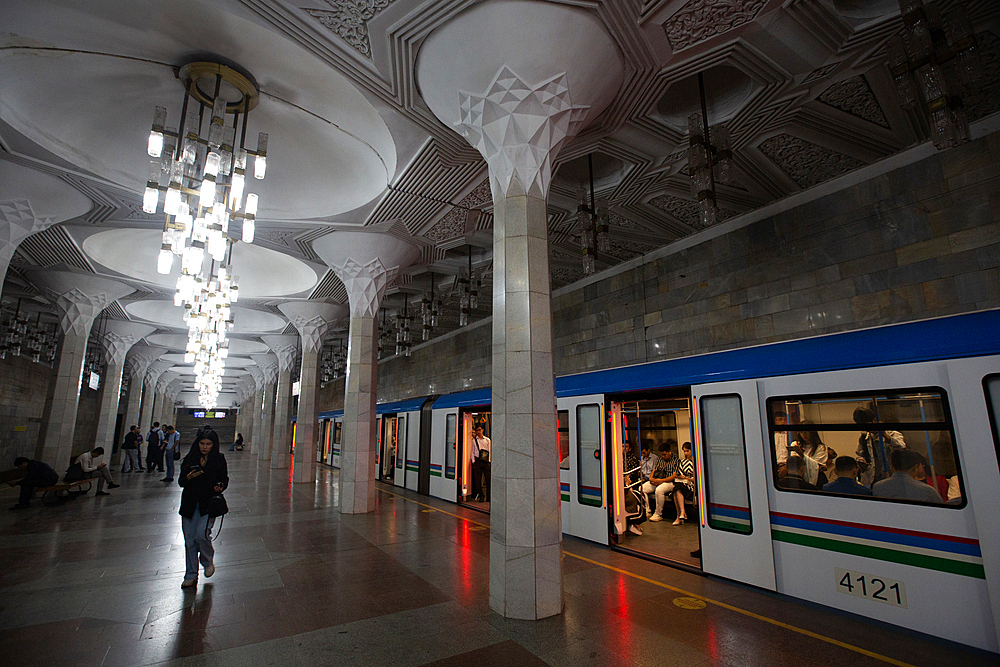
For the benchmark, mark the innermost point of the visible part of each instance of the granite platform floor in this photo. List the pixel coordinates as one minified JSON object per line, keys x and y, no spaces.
{"x":96,"y":582}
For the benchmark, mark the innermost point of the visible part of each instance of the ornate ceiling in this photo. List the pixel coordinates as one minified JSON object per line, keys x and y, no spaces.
{"x":801,"y":84}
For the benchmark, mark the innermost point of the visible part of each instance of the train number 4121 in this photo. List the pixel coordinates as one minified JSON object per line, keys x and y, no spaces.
{"x":871,"y":587}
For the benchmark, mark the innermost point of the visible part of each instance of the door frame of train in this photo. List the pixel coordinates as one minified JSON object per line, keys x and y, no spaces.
{"x":756,"y":563}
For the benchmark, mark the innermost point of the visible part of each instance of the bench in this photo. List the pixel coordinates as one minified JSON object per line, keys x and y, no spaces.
{"x":50,"y":494}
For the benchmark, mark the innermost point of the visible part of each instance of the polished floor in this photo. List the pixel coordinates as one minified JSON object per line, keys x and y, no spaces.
{"x":96,"y":582}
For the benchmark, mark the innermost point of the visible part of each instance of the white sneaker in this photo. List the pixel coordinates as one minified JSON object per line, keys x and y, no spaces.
{"x":635,"y":530}
{"x":656,"y":517}
{"x":210,"y":570}
{"x":188,"y":583}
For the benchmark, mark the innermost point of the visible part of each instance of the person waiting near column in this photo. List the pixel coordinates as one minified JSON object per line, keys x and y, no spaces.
{"x":154,"y":452}
{"x":92,"y":467}
{"x":170,"y":442}
{"x":37,"y":474}
{"x":480,"y":454}
{"x":131,"y":448}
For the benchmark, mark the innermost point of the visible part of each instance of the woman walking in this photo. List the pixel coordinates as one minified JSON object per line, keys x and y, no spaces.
{"x":203,"y":475}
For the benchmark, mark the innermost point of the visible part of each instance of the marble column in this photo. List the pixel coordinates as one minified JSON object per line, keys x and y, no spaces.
{"x":79,"y":298}
{"x":312,"y":319}
{"x":284,"y":347}
{"x":366,"y":262}
{"x":118,"y":339}
{"x":255,"y":406}
{"x":269,"y":365}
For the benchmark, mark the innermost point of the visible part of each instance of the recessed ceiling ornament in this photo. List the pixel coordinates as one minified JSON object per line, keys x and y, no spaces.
{"x":349,"y":20}
{"x":806,"y":163}
{"x":855,"y":96}
{"x":687,"y":211}
{"x":699,"y":20}
{"x":451,"y":226}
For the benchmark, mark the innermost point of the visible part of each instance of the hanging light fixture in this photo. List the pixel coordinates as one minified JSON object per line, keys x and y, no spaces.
{"x":429,"y":312}
{"x":710,"y":159}
{"x":204,"y":171}
{"x":592,"y":220}
{"x":20,"y":336}
{"x":924,"y":59}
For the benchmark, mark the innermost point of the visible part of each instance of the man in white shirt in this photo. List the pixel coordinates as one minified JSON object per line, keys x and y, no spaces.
{"x":92,"y":466}
{"x":479,"y":452}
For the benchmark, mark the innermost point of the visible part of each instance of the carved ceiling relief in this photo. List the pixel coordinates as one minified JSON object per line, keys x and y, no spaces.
{"x":699,"y":20}
{"x":855,"y":96}
{"x":985,"y":99}
{"x":451,"y":226}
{"x":806,"y":163}
{"x":686,"y":210}
{"x":624,"y":250}
{"x":349,"y":20}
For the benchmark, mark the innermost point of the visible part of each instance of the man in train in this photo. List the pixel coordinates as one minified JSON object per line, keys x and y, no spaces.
{"x":907,"y":469}
{"x":780,"y":439}
{"x":795,"y":471}
{"x":846,"y":482}
{"x":648,"y":463}
{"x":661,"y":481}
{"x":480,"y":453}
{"x":874,"y":447}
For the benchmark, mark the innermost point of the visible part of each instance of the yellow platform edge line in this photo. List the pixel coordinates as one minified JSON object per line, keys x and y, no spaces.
{"x":723,"y":605}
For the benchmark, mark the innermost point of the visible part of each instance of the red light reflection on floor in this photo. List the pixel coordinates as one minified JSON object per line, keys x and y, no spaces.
{"x":622,"y":638}
{"x":464,"y":563}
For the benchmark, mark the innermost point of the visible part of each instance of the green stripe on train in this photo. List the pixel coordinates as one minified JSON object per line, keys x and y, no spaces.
{"x":721,"y":524}
{"x":974,"y":570}
{"x":435,"y":474}
{"x":565,"y":497}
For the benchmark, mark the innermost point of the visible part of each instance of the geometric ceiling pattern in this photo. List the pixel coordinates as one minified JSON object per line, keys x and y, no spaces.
{"x":803,"y":88}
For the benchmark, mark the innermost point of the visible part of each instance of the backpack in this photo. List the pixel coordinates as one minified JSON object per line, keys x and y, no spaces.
{"x":153,"y":438}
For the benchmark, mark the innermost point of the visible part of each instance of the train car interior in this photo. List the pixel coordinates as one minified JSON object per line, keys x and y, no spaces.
{"x":474,"y":457}
{"x":651,"y":434}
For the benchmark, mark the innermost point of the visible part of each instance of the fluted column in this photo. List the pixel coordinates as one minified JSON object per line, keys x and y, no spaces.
{"x":284,"y":348}
{"x":118,"y":340}
{"x":269,"y":365}
{"x":79,"y":298}
{"x":366,"y":263}
{"x":312,"y":320}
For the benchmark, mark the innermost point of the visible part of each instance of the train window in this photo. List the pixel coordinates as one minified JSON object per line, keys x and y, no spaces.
{"x":450,"y":436}
{"x":562,"y":425}
{"x":727,"y":489}
{"x":400,"y":441}
{"x":588,"y":455}
{"x":829,"y":444}
{"x":992,"y":386}
{"x":338,"y":428}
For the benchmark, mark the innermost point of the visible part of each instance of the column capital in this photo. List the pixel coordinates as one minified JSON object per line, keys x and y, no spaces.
{"x":17,"y":221}
{"x":79,"y":297}
{"x":284,"y":347}
{"x":268,"y":364}
{"x":519,"y":127}
{"x":365,"y":284}
{"x":154,"y":371}
{"x":120,"y":337}
{"x":312,"y":319}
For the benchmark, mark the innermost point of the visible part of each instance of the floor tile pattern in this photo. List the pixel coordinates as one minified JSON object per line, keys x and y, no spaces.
{"x":96,"y":582}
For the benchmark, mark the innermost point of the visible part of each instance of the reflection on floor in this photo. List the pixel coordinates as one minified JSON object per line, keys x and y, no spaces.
{"x":96,"y":583}
{"x":481,"y":505}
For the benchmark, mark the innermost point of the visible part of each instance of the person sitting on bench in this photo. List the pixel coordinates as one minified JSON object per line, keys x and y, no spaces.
{"x":37,"y":474}
{"x":91,"y":466}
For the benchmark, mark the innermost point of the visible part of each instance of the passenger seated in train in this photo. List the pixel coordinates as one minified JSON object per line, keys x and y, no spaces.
{"x":928,"y":479}
{"x":795,"y":470}
{"x":635,"y":510}
{"x":874,"y":447}
{"x":684,"y":483}
{"x":907,"y":468}
{"x":846,"y":482}
{"x":661,"y":482}
{"x":810,"y":447}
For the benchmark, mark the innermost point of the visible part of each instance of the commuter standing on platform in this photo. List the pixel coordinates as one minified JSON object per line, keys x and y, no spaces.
{"x":171,"y":440}
{"x":203,"y":475}
{"x":154,"y":451}
{"x":131,"y":448}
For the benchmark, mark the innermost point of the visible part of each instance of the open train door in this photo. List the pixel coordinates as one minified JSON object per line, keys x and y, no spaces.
{"x":732,"y":489}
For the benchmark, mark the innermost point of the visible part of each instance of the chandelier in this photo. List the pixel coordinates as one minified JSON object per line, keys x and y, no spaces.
{"x":592,"y":219}
{"x":710,"y":159}
{"x":20,"y":336}
{"x":201,"y":172}
{"x":934,"y":62}
{"x":429,"y":308}
{"x":469,"y":284}
{"x":404,"y":336}
{"x":334,"y":362}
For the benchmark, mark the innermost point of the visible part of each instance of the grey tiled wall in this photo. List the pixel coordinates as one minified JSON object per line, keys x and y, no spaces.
{"x":918,"y":242}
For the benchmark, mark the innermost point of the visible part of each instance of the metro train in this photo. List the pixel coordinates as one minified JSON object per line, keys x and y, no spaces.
{"x":933,"y":567}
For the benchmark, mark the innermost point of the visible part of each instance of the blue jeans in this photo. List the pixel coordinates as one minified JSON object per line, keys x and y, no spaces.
{"x":169,"y":455}
{"x":197,"y":546}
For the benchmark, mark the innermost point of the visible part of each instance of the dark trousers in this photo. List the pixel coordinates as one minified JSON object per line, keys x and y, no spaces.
{"x":26,"y":492}
{"x":154,"y":458}
{"x":481,"y":479}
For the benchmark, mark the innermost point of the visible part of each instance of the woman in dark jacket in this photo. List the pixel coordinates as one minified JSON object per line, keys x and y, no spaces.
{"x":203,"y":474}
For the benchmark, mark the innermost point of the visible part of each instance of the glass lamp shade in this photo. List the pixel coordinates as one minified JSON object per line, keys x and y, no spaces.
{"x":248,"y":230}
{"x":150,"y":198}
{"x":164,"y":260}
{"x":154,"y":146}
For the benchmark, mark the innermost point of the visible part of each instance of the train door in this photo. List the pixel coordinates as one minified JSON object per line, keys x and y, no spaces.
{"x":733,"y":509}
{"x":444,"y":453}
{"x":474,"y":456}
{"x":581,"y":461}
{"x":664,"y":512}
{"x":387,"y":448}
{"x":336,"y":434}
{"x":323,"y":448}
{"x":399,"y":472}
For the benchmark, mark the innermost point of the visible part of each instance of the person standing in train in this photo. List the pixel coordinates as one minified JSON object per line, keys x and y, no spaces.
{"x":874,"y":447}
{"x":480,"y":454}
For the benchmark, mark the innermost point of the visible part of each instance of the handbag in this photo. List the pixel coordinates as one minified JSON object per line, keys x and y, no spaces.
{"x":217,"y":506}
{"x":177,"y":454}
